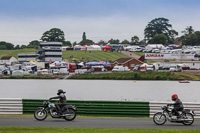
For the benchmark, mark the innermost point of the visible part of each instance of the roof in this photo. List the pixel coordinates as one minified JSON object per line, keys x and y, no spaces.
{"x":6,"y":57}
{"x":124,"y":60}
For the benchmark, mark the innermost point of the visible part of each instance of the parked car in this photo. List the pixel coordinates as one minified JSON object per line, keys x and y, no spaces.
{"x":155,"y":51}
{"x":85,"y":70}
{"x":120,"y":69}
{"x":89,"y":71}
{"x":139,"y":49}
{"x":175,"y":68}
{"x":136,"y":68}
{"x":150,"y":68}
{"x":56,"y":71}
{"x":63,"y":71}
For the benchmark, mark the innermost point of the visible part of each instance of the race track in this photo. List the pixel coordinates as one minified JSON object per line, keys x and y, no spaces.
{"x":92,"y":123}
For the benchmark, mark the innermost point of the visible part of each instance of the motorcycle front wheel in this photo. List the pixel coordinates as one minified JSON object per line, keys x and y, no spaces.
{"x":159,"y":118}
{"x":189,"y":119}
{"x":40,"y":114}
{"x":70,"y":115}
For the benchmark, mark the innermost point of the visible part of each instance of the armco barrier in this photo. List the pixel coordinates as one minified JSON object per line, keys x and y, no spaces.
{"x":11,"y":106}
{"x":155,"y":106}
{"x":98,"y":108}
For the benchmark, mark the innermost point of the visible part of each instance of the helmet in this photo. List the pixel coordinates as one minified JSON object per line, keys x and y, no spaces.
{"x":60,"y":91}
{"x":174,"y":97}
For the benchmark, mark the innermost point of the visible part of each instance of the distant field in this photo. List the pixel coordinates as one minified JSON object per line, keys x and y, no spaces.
{"x":72,"y":55}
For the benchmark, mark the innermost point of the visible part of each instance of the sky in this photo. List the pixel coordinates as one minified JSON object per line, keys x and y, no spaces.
{"x":22,"y":21}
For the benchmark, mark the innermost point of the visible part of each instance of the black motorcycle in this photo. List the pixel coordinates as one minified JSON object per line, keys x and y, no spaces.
{"x":68,"y":114}
{"x":186,"y":116}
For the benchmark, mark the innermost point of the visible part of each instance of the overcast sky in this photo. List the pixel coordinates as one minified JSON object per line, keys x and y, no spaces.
{"x":22,"y":21}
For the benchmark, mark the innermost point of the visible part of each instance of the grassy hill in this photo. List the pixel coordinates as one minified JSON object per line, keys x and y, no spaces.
{"x":72,"y":55}
{"x":92,"y":55}
{"x":15,"y":52}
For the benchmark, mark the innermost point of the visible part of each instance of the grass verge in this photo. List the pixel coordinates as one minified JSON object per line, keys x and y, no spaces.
{"x":138,"y":76}
{"x":89,"y":130}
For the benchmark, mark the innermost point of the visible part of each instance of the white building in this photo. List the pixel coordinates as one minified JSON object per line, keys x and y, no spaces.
{"x":26,"y":57}
{"x":50,"y":51}
{"x":8,"y":60}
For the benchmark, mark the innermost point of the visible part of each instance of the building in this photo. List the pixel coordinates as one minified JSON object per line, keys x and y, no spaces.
{"x":47,"y":52}
{"x":50,"y":51}
{"x":127,"y":62}
{"x":8,"y":60}
{"x":26,"y":57}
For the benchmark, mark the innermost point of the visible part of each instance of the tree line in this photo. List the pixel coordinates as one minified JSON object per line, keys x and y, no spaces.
{"x":157,"y":31}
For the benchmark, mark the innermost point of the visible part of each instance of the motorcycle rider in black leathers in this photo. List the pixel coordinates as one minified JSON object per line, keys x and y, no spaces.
{"x":178,"y":106}
{"x":61,"y":102}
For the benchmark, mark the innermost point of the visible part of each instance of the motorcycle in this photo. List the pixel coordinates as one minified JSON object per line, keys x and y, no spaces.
{"x":69,"y":112}
{"x":186,"y":116}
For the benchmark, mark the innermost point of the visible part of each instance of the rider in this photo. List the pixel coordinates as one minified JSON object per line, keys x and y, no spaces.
{"x":178,"y":106}
{"x":61,"y":102}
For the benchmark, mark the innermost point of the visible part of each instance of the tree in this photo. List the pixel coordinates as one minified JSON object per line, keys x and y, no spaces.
{"x":67,"y":43}
{"x":6,"y":46}
{"x":158,"y":39}
{"x":33,"y":44}
{"x":188,"y":30}
{"x":160,"y":26}
{"x":113,"y":41}
{"x":135,"y":40}
{"x":17,"y":47}
{"x":23,"y":46}
{"x":84,"y":36}
{"x":125,"y":42}
{"x":85,"y":40}
{"x":53,"y":35}
{"x":74,"y":43}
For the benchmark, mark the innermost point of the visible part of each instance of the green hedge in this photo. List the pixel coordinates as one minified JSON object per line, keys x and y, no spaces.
{"x":97,"y":108}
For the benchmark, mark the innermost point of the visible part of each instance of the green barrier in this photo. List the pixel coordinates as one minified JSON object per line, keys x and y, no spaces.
{"x":97,"y":108}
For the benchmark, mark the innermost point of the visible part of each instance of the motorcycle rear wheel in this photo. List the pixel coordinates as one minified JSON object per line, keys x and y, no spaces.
{"x":70,"y":115}
{"x":40,"y":114}
{"x":159,"y":118}
{"x":188,"y":122}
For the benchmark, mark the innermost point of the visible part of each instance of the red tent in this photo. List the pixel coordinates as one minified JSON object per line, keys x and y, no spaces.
{"x":107,"y":48}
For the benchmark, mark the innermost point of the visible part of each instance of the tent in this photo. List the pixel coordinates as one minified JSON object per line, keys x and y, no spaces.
{"x":106,"y":48}
{"x":93,"y":47}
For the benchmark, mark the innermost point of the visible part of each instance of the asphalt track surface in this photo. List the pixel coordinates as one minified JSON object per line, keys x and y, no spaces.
{"x":93,"y":123}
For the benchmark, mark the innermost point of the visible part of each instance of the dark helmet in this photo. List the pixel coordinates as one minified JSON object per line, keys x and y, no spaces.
{"x":174,"y":97}
{"x":60,"y":91}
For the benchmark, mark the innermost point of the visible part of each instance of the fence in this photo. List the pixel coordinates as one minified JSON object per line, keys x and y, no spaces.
{"x":94,"y":108}
{"x":155,"y":106}
{"x":98,"y":108}
{"x":11,"y":106}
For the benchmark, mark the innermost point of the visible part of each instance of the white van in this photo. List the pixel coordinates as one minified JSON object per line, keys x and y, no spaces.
{"x":120,"y":69}
{"x":175,"y":68}
{"x":63,"y":71}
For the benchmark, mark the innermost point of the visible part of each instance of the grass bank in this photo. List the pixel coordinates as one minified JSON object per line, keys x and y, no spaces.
{"x":89,"y":130}
{"x":139,"y":76}
{"x":119,"y":76}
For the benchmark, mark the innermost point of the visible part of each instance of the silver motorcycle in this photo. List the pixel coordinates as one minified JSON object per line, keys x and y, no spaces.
{"x":186,"y":116}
